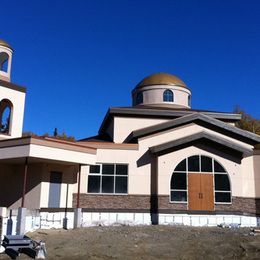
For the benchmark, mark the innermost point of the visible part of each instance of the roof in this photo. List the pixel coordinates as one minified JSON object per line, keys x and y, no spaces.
{"x":46,"y":141}
{"x":203,"y":119}
{"x":179,"y":143}
{"x":161,"y":79}
{"x":155,"y":112}
{"x":5,"y":44}
{"x":40,"y":150}
{"x":12,"y":86}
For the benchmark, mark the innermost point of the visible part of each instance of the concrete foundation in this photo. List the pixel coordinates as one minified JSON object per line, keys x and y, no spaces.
{"x":77,"y":217}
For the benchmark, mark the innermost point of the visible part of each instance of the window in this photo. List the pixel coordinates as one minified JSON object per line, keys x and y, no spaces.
{"x":108,"y":178}
{"x":168,"y":96}
{"x":199,"y":164}
{"x":179,"y":187}
{"x":5,"y":115}
{"x":4,"y":57}
{"x":189,"y":100}
{"x":139,"y":98}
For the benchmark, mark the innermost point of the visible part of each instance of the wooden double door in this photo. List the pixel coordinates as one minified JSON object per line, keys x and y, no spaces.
{"x":201,"y":191}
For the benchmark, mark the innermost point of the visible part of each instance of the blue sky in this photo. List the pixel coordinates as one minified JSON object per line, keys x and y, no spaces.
{"x":78,"y":58}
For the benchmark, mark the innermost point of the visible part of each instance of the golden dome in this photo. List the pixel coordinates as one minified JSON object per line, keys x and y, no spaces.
{"x":161,"y":79}
{"x":5,"y":44}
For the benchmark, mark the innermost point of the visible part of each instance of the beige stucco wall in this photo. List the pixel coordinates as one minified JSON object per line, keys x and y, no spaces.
{"x":16,"y":123}
{"x":240,"y":173}
{"x":180,"y":132}
{"x":12,"y":185}
{"x":138,"y":179}
{"x":153,"y":95}
{"x":168,"y":162}
{"x":69,"y":180}
{"x":256,"y":161}
{"x":51,"y":153}
{"x":38,"y":178}
{"x":124,"y":126}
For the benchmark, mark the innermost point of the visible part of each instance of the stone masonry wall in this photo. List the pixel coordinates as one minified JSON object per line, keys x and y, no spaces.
{"x":143,"y":203}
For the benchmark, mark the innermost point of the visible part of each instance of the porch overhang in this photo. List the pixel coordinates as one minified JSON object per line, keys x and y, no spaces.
{"x":45,"y":150}
{"x":199,"y":137}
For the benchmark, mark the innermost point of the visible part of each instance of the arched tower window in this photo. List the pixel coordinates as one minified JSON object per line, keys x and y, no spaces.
{"x":139,"y":98}
{"x":168,"y":96}
{"x":5,"y":116}
{"x":199,"y":166}
{"x":4,"y":57}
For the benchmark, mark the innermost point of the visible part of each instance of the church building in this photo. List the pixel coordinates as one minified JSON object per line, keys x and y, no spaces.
{"x":153,"y":162}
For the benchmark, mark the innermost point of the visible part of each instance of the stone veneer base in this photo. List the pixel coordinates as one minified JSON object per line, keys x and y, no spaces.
{"x":141,"y":203}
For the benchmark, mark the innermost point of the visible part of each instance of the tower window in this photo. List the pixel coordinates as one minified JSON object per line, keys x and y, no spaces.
{"x":168,"y":96}
{"x":139,"y":98}
{"x":4,"y":57}
{"x":189,"y":101}
{"x":5,"y":115}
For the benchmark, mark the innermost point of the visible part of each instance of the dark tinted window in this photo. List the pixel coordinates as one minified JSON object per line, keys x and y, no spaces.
{"x":179,"y":196}
{"x":222,"y":182}
{"x":206,"y":164}
{"x":121,"y":185}
{"x":222,"y":197}
{"x":139,"y":98}
{"x":218,"y":167}
{"x":193,"y":163}
{"x":107,"y":184}
{"x":108,"y":169}
{"x":178,"y":181}
{"x":94,"y":169}
{"x":167,"y":96}
{"x":181,"y":166}
{"x":121,"y":169}
{"x":94,"y":184}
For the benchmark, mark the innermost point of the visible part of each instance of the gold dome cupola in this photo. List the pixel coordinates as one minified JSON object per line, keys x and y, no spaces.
{"x":162,"y":89}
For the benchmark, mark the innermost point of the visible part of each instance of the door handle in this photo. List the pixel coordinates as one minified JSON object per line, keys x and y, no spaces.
{"x":200,"y":195}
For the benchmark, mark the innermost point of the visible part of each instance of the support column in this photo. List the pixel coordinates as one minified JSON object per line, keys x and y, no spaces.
{"x":21,"y":217}
{"x":154,"y":191}
{"x":78,"y":210}
{"x":24,"y":181}
{"x":21,"y":221}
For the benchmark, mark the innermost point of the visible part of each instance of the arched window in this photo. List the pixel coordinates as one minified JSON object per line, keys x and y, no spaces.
{"x":202,"y":165}
{"x":4,"y":57}
{"x":168,"y":96}
{"x":5,"y":115}
{"x":139,"y":98}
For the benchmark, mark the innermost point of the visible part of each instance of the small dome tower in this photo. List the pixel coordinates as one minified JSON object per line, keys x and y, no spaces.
{"x":6,"y":53}
{"x":162,"y":90}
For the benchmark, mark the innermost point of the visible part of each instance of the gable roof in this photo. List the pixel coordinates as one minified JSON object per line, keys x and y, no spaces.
{"x":201,"y":119}
{"x":165,"y":147}
{"x":159,"y":112}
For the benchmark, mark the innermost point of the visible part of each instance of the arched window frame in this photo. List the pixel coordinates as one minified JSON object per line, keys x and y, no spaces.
{"x":139,"y":98}
{"x":215,"y":173}
{"x":5,"y":104}
{"x":168,"y":96}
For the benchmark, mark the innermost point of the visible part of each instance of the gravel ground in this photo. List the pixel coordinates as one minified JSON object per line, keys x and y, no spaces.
{"x":148,"y":242}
